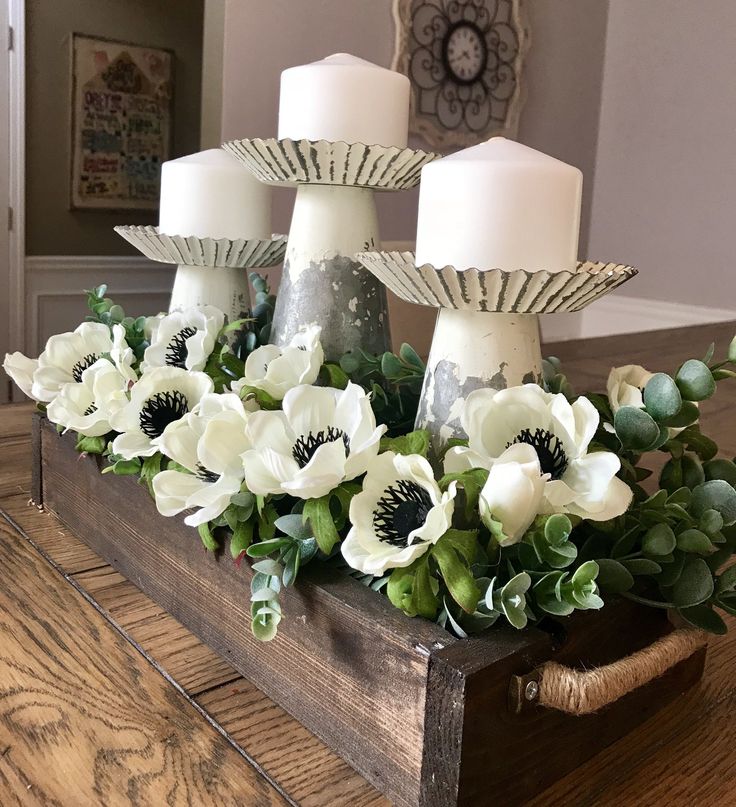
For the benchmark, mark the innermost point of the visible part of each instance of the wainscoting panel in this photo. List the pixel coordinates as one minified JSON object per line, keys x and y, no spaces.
{"x":55,"y":290}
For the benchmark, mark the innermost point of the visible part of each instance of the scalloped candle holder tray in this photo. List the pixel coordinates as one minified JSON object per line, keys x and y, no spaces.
{"x":210,"y":271}
{"x":217,"y":253}
{"x":495,"y":290}
{"x":428,"y":719}
{"x":323,"y":162}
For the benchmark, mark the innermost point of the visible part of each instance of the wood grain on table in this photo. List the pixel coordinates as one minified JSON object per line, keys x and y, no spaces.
{"x":106,"y":699}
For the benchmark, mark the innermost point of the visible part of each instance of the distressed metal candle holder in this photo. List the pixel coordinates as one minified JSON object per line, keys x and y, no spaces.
{"x":334,"y":217}
{"x":210,"y":271}
{"x":487,"y":331}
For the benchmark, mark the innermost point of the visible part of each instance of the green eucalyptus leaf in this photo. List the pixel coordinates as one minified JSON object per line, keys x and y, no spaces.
{"x":711,"y":522}
{"x":695,"y":381}
{"x":732,"y":350}
{"x":721,"y":469}
{"x":293,"y":525}
{"x":715,"y":494}
{"x":695,"y":584}
{"x":635,"y":428}
{"x":659,"y":540}
{"x":727,"y":580}
{"x":557,"y":529}
{"x":662,"y":398}
{"x":705,"y":618}
{"x":695,"y":542}
{"x":688,"y":414}
{"x":613,"y":576}
{"x":672,"y":570}
{"x":642,"y":566}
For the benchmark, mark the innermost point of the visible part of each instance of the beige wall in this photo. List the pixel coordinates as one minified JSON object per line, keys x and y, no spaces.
{"x":665,"y":190}
{"x":563,"y":76}
{"x":52,"y":229}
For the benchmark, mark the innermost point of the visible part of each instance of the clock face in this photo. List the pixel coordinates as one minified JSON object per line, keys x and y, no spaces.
{"x":465,"y":53}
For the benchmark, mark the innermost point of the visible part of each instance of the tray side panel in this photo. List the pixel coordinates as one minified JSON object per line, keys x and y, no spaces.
{"x":347,"y":667}
{"x":508,"y":758}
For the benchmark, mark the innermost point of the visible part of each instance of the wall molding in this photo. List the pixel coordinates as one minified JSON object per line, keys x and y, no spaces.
{"x":55,"y":285}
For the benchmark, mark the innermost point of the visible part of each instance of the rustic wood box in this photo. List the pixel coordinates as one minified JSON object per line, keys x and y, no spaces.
{"x":425,"y":717}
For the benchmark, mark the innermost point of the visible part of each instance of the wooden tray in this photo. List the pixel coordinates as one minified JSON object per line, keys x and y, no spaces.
{"x":427,"y":718}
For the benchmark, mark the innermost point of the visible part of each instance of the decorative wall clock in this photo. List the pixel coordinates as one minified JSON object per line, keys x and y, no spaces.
{"x":464,"y":60}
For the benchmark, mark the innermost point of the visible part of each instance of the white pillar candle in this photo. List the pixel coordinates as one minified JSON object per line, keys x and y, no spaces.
{"x":499,"y":205}
{"x":211,"y":195}
{"x":344,"y":98}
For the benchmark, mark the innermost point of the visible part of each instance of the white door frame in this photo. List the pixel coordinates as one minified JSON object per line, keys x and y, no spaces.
{"x":15,"y":304}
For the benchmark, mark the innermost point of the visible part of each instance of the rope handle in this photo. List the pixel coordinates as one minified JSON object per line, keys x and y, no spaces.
{"x":577,"y":692}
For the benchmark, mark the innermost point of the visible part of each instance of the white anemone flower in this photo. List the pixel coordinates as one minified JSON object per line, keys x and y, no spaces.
{"x":183,"y":339}
{"x":122,"y":355}
{"x":276,"y":370}
{"x":322,"y":437}
{"x":400,"y":513}
{"x":21,"y":369}
{"x":579,"y":482}
{"x":625,"y":386}
{"x":208,"y":442}
{"x":162,"y":396}
{"x":66,"y":356}
{"x":513,"y":493}
{"x":88,"y":406}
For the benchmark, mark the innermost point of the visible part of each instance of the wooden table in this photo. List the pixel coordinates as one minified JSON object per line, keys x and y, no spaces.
{"x":105,"y":699}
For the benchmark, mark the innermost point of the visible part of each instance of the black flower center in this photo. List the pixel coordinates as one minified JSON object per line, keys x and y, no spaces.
{"x":176,"y":350}
{"x":552,"y":457}
{"x":402,"y":509}
{"x":160,"y":410}
{"x":89,"y":410}
{"x":82,"y":365}
{"x":306,"y":445}
{"x":205,"y":474}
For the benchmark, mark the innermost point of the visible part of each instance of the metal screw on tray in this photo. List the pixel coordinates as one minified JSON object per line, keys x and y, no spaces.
{"x":499,"y":204}
{"x":328,"y":111}
{"x":215,"y":224}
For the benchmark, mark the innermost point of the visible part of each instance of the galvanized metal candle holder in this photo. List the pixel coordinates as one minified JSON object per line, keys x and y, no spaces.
{"x":334,"y":217}
{"x":209,"y":271}
{"x":487,"y":331}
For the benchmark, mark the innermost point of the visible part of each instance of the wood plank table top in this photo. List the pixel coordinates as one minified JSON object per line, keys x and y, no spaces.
{"x":106,"y":699}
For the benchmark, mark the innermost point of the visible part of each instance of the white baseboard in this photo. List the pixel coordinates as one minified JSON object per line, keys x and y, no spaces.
{"x":618,"y":314}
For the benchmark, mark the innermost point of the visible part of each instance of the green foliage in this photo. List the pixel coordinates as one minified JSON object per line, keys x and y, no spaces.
{"x":395,"y":381}
{"x":103,"y":309}
{"x":416,"y":442}
{"x":695,"y":380}
{"x":91,"y":445}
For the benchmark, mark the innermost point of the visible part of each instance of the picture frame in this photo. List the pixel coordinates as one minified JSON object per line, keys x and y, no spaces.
{"x":121,"y":123}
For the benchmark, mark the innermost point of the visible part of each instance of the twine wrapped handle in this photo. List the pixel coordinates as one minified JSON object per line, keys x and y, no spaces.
{"x":584,"y":692}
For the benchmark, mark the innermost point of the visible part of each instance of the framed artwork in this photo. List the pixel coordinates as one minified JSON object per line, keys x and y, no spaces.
{"x":121,"y":123}
{"x":464,"y":59}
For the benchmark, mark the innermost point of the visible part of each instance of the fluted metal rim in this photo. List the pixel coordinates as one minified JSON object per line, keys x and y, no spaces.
{"x":240,"y":253}
{"x":324,"y":162}
{"x":495,"y":290}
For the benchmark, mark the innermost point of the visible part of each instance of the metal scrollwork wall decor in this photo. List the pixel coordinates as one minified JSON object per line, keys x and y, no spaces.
{"x":464,"y":59}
